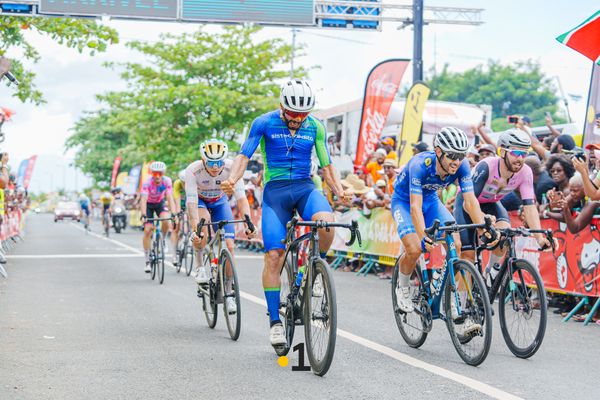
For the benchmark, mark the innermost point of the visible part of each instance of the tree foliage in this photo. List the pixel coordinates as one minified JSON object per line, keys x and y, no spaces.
{"x":81,"y":34}
{"x":518,"y":89}
{"x":190,"y":87}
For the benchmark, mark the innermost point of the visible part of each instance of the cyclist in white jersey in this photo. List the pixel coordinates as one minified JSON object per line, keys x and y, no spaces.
{"x":205,"y":199}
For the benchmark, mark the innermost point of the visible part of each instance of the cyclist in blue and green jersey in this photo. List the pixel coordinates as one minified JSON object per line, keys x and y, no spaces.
{"x":287,"y":138}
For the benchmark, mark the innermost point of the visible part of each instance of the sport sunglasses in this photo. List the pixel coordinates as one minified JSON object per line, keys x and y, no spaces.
{"x":294,"y":114}
{"x":215,"y":164}
{"x":519,"y":153}
{"x":455,"y":156}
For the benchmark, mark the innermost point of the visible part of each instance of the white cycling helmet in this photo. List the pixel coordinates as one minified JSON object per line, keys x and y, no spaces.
{"x":158,"y":166}
{"x":214,"y":150}
{"x":452,"y":140}
{"x":514,"y":138}
{"x":296,"y":95}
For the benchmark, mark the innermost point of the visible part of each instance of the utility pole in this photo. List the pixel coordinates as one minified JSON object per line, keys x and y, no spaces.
{"x":417,"y":40}
{"x":293,"y":53}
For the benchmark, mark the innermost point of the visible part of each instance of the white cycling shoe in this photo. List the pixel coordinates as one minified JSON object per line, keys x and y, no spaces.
{"x":202,"y":276}
{"x":231,"y":305}
{"x":147,"y":269}
{"x":470,"y":327}
{"x":277,"y":335}
{"x":404,"y":299}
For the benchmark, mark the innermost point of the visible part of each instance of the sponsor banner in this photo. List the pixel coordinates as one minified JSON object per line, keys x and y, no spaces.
{"x":380,"y":90}
{"x":145,"y":174}
{"x":121,"y":179}
{"x":29,"y":171}
{"x":591,"y":129}
{"x":21,"y":173}
{"x":412,"y":121}
{"x":133,"y":180}
{"x":115,"y":171}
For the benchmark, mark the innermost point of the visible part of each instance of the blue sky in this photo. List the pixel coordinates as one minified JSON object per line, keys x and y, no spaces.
{"x":512,"y":30}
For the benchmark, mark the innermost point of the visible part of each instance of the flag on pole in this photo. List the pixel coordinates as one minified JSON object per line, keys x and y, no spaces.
{"x":380,"y":90}
{"x":585,"y":38}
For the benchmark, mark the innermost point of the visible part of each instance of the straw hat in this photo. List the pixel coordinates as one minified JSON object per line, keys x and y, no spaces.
{"x":359,"y":187}
{"x":350,"y":179}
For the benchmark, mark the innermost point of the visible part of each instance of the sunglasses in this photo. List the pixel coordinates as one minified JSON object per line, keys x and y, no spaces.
{"x":455,"y":156}
{"x":157,"y":174}
{"x":295,"y":115}
{"x":518,"y":153}
{"x":215,"y":164}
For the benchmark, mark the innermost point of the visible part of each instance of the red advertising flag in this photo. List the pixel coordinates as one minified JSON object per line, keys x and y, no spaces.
{"x":115,"y":171}
{"x":381,"y":88}
{"x":29,"y":171}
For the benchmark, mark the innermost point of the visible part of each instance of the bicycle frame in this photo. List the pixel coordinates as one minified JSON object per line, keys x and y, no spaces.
{"x":435,"y":299}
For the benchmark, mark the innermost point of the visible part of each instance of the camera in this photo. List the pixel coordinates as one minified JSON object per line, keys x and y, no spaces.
{"x":512,"y":119}
{"x":580,"y":156}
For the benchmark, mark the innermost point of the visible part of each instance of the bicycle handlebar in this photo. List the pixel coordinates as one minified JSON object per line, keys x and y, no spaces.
{"x":526,"y":232}
{"x":319,"y":224}
{"x":432,"y":231}
{"x":221,"y":224}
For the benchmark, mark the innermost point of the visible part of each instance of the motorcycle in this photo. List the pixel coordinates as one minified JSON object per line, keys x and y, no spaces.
{"x":119,"y":217}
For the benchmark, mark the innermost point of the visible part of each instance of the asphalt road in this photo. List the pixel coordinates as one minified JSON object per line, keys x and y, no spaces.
{"x":79,"y":319}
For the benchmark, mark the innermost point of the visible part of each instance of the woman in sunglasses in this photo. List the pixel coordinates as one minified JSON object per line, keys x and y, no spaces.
{"x":415,"y":203}
{"x":494,"y":178}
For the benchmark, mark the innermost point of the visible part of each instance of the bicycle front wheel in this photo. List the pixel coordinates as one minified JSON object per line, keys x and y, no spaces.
{"x":153,"y":262}
{"x":230,"y":290}
{"x":209,"y":302}
{"x":320,"y":317}
{"x":160,"y":262}
{"x":412,"y":326}
{"x":189,"y":256}
{"x":522,"y":309}
{"x":468,"y":313}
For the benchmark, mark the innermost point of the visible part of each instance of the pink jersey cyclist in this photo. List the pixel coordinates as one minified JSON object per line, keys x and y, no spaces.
{"x":156,"y":193}
{"x":490,"y":188}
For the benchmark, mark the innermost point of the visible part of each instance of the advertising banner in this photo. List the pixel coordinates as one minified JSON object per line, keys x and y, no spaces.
{"x":29,"y":171}
{"x":21,"y":173}
{"x":115,"y":171}
{"x":380,"y":90}
{"x":412,"y":121}
{"x":591,"y":129}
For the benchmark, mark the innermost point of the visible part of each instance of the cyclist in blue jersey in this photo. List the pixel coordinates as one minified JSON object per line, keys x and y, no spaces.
{"x":415,"y":203}
{"x":85,"y":204}
{"x":287,"y":138}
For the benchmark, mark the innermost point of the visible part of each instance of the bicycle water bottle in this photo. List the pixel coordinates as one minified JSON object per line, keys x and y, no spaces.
{"x":299,"y":276}
{"x":213,"y":268}
{"x":494,"y":273}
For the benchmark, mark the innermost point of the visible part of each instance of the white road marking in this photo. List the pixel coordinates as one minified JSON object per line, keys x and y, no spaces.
{"x":47,"y":256}
{"x":404,"y":358}
{"x":125,"y":246}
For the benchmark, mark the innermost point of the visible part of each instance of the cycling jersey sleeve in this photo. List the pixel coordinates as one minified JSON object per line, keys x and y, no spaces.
{"x":526,"y":187}
{"x":168,"y":186}
{"x":415,"y":174}
{"x":191,"y":189}
{"x":253,"y":139}
{"x":239,"y":192}
{"x":464,"y":177}
{"x":480,"y":177}
{"x":321,"y":145}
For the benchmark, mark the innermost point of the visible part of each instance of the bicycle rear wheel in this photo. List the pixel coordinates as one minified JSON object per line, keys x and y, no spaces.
{"x":160,"y":262}
{"x":233,"y":318}
{"x":153,"y":262}
{"x":470,"y":323}
{"x":412,"y":326}
{"x":286,"y":308}
{"x":320,"y":317}
{"x":523,"y":322}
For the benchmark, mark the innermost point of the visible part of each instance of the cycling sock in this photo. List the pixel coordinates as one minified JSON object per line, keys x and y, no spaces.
{"x":404,"y":280}
{"x":494,"y":259}
{"x":272,"y":297}
{"x":147,"y":255}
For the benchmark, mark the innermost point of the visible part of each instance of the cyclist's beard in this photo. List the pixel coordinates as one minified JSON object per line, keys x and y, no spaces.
{"x":513,"y":167}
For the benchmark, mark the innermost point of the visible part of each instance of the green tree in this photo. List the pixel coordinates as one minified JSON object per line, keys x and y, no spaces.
{"x":80,"y":34}
{"x":519,"y":89}
{"x":191,"y":87}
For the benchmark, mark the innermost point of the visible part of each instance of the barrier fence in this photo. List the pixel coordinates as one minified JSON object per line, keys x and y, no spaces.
{"x":572,"y":268}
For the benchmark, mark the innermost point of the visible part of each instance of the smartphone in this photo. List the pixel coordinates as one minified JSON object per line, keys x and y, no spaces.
{"x":483,"y":119}
{"x":580,"y":156}
{"x":512,"y":119}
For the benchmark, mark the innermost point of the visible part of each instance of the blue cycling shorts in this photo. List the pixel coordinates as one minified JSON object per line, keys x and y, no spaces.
{"x":86,"y":210}
{"x":432,"y":209}
{"x":280,"y":199}
{"x":220,"y":210}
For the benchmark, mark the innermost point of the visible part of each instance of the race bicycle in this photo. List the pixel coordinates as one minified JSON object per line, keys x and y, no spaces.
{"x":467,"y":310}
{"x":185,"y":250}
{"x":157,"y":250}
{"x":522,"y":303}
{"x":308,"y":293}
{"x":223,"y":283}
